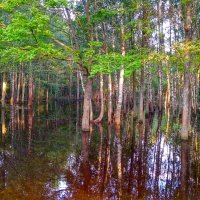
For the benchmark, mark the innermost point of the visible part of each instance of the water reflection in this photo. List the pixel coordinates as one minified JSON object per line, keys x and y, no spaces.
{"x":30,"y":127}
{"x":46,"y":156}
{"x":106,"y":172}
{"x":3,"y":124}
{"x":140,"y":177}
{"x":184,"y":169}
{"x":119,"y":163}
{"x":132,"y":157}
{"x":85,"y":162}
{"x":3,"y":153}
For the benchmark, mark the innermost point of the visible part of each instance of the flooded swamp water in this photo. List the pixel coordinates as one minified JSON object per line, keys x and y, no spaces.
{"x":45,"y":156}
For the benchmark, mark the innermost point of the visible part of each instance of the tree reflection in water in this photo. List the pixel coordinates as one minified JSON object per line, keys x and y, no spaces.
{"x":119,"y":162}
{"x":184,"y":169}
{"x":85,"y":162}
{"x":3,"y":153}
{"x":52,"y":159}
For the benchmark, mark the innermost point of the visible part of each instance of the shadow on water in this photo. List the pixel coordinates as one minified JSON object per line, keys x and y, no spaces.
{"x":44,"y":155}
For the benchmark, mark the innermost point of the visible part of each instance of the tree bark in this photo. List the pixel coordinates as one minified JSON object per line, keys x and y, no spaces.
{"x":116,"y":89}
{"x":186,"y":87}
{"x":160,"y":101}
{"x":70,"y":86}
{"x":149,"y":103}
{"x":121,"y":81}
{"x":120,"y":98}
{"x":160,"y":49}
{"x":3,"y":91}
{"x":110,"y":109}
{"x":23,"y":87}
{"x":141,"y":103}
{"x":18,"y":87}
{"x":134,"y":92}
{"x":47,"y":100}
{"x":99,"y":119}
{"x":197,"y":92}
{"x":143,"y":45}
{"x":12,"y":88}
{"x":47,"y":94}
{"x":168,"y":92}
{"x":30,"y":91}
{"x":78,"y":86}
{"x":87,"y":106}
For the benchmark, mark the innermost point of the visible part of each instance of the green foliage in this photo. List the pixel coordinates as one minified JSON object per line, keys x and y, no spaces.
{"x":28,"y":36}
{"x":56,"y":3}
{"x":103,"y":15}
{"x":108,"y":63}
{"x":181,"y":49}
{"x":10,"y":5}
{"x":29,"y":27}
{"x":186,"y":2}
{"x":157,"y":57}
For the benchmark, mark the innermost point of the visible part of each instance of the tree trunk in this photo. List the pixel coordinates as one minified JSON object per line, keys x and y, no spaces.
{"x":3,"y":91}
{"x":18,"y":87}
{"x":121,"y":81}
{"x":78,"y":86}
{"x":168,"y":92}
{"x":197,"y":92}
{"x":173,"y":93}
{"x":47,"y":94}
{"x":186,"y":86}
{"x":30,"y":91}
{"x":47,"y":100}
{"x":116,"y":86}
{"x":144,"y":45}
{"x":134,"y":95}
{"x":141,"y":103}
{"x":120,"y":98}
{"x":186,"y":106}
{"x":99,"y":119}
{"x":91,"y":114}
{"x":110,"y":110}
{"x":160,"y":49}
{"x":23,"y":87}
{"x":125,"y":99}
{"x":115,"y":72}
{"x":70,"y":86}
{"x":12,"y":88}
{"x":149,"y":94}
{"x":160,"y":88}
{"x":87,"y":106}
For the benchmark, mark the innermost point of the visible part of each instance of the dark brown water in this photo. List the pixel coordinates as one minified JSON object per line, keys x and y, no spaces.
{"x":45,"y":156}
